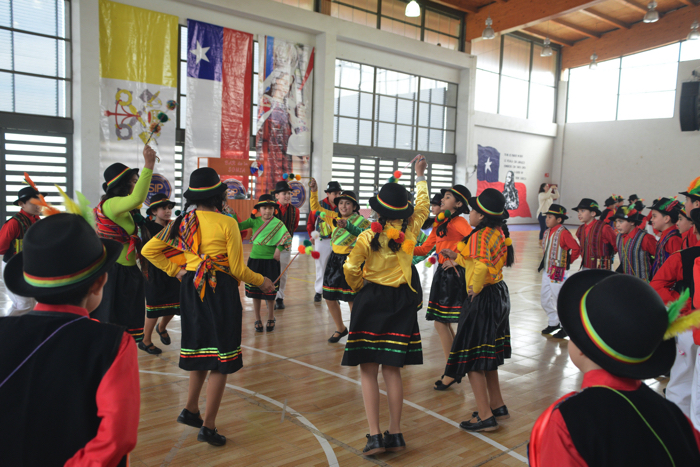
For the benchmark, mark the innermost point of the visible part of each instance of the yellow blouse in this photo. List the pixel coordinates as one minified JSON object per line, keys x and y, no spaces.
{"x":483,"y":258}
{"x":386,"y":267}
{"x":328,"y":219}
{"x":219,"y":235}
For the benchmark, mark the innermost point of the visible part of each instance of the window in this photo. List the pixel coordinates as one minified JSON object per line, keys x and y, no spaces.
{"x":441,"y":29}
{"x":35,"y":54}
{"x":690,"y":50}
{"x":388,"y":109}
{"x":513,"y":79}
{"x":357,"y":11}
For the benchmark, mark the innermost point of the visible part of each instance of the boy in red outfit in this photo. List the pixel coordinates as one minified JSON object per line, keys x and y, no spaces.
{"x":664,"y":215}
{"x":635,"y":246}
{"x":597,"y":239}
{"x":692,"y":201}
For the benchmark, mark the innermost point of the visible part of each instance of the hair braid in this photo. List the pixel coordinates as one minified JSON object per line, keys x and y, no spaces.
{"x":374,"y":244}
{"x":441,"y":229}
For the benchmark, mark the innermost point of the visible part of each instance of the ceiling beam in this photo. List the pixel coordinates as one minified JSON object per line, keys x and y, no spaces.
{"x":519,"y":14}
{"x":608,"y":19}
{"x":640,"y":37}
{"x":578,"y":29}
{"x":688,"y":2}
{"x":554,"y":39}
{"x":461,"y":5}
{"x":634,"y":5}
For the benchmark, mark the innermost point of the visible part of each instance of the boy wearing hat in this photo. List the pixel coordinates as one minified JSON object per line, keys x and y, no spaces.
{"x":617,"y":339}
{"x":611,"y":205}
{"x":692,"y":201}
{"x":288,"y":214}
{"x":685,"y":228}
{"x":12,"y":236}
{"x":322,"y":244}
{"x":597,"y":239}
{"x":70,"y":383}
{"x":635,"y":246}
{"x":560,"y":250}
{"x":664,"y":215}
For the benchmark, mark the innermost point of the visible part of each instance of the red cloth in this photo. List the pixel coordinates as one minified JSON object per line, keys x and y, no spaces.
{"x":554,"y":446}
{"x":311,"y":219}
{"x":609,"y":235}
{"x":457,"y":229}
{"x":11,"y":230}
{"x":118,"y":403}
{"x":666,"y":277}
{"x":523,"y":209}
{"x":567,"y":242}
{"x":689,"y":239}
{"x":674,"y":244}
{"x":283,"y":210}
{"x":648,"y":242}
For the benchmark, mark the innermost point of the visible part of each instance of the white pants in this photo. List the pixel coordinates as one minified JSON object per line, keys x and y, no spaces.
{"x":20,"y":305}
{"x":682,"y":388}
{"x":324,"y":248}
{"x":549,"y":296}
{"x":284,"y":262}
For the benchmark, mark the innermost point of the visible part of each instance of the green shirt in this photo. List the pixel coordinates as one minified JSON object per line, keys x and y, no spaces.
{"x":259,"y":251}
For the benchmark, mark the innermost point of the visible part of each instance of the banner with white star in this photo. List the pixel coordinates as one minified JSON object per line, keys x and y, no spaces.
{"x":138,"y":77}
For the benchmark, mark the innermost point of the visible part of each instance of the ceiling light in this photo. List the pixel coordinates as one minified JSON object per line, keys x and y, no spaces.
{"x":488,"y":33}
{"x":694,"y":34}
{"x":547,"y":50}
{"x":652,"y":15}
{"x":412,"y":9}
{"x":594,"y":63}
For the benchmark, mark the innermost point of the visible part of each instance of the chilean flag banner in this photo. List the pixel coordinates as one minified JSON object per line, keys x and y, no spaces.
{"x":219,"y":80}
{"x":487,"y":176}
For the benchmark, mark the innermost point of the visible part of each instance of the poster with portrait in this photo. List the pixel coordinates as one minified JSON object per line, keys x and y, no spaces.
{"x":513,"y":166}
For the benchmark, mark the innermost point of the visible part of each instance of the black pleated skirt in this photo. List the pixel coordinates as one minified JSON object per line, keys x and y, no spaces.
{"x":447,"y":294}
{"x":384,"y":325}
{"x":211,"y":329}
{"x":162,"y":294}
{"x":269,"y":268}
{"x":124,"y":300}
{"x":482,"y":341}
{"x":335,"y":287}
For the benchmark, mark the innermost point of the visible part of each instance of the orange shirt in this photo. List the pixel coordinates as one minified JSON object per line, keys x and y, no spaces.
{"x":457,"y":229}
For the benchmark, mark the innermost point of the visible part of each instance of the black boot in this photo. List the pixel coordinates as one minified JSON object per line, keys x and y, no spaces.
{"x":375,"y":445}
{"x":394,"y":442}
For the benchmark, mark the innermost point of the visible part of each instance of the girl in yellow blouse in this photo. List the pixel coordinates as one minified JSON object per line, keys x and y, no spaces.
{"x":203,"y":249}
{"x":384,"y":320}
{"x":482,"y":341}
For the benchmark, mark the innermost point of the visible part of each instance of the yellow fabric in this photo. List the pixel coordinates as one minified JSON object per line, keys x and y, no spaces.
{"x":219,"y":235}
{"x":328,"y":219}
{"x":483,"y":258}
{"x":386,"y":267}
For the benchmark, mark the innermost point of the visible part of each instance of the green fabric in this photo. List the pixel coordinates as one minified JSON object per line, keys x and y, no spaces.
{"x":355,"y":230}
{"x":119,"y":210}
{"x":421,"y":239}
{"x":346,"y":237}
{"x":259,"y":251}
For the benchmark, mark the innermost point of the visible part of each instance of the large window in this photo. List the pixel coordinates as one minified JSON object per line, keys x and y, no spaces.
{"x":35,"y":57}
{"x":388,"y":109}
{"x":639,"y":86}
{"x":512,"y":78}
{"x":362,"y":12}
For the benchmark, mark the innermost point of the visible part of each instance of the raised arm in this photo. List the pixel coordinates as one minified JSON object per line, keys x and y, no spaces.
{"x":421,"y":209}
{"x":122,"y":204}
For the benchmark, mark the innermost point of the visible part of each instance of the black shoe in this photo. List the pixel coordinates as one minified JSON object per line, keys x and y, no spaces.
{"x":501,"y":413}
{"x":375,"y":445}
{"x":333,"y":339}
{"x":490,"y":424}
{"x":551,"y":329}
{"x":270,"y":326}
{"x":440,"y":386}
{"x":318,"y":297}
{"x":190,"y":419}
{"x":151,"y":349}
{"x":211,"y":436}
{"x":279,"y":304}
{"x":560,"y":335}
{"x":394,"y":442}
{"x":258,"y":326}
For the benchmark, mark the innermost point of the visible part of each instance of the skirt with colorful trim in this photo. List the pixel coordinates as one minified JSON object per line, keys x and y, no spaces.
{"x":269,"y":268}
{"x":124,"y":300}
{"x":384,"y":326}
{"x":162,"y":294}
{"x":211,"y":329}
{"x":482,"y":340}
{"x":335,"y":287}
{"x":447,"y":295}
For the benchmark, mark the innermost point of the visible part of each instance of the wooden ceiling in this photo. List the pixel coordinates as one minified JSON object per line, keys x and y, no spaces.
{"x":609,"y":28}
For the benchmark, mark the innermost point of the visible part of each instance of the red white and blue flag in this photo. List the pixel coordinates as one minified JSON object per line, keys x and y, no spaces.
{"x":487,"y":176}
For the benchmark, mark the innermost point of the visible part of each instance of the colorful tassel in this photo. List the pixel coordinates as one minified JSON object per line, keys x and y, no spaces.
{"x":302,"y":249}
{"x":307,"y":242}
{"x":315,"y":254}
{"x":682,"y":324}
{"x":171,"y":105}
{"x":402,"y":237}
{"x":376,"y":227}
{"x":393,"y":233}
{"x":508,"y":241}
{"x":408,"y":246}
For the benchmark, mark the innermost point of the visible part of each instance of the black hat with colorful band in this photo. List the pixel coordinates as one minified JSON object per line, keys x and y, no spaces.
{"x":693,"y":190}
{"x":557,"y":210}
{"x":204,"y":183}
{"x":685,"y":214}
{"x":666,"y":206}
{"x":266,"y":200}
{"x":117,"y":173}
{"x":333,"y":186}
{"x":392,"y":202}
{"x":60,"y":253}
{"x":627,"y":213}
{"x":461,"y":193}
{"x":624,"y":333}
{"x":632,"y":198}
{"x":159,"y":200}
{"x":589,"y":204}
{"x":490,"y":203}
{"x":25,"y":194}
{"x":350,"y":196}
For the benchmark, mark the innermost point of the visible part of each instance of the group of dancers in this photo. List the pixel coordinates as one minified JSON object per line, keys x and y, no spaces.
{"x":193,"y":266}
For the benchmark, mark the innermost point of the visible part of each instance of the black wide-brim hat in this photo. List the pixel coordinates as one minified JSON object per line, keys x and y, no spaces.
{"x":204,"y":183}
{"x":632,"y":197}
{"x":159,"y":200}
{"x":622,"y":215}
{"x":610,"y":202}
{"x":350,"y":196}
{"x":437,"y":198}
{"x":590,"y":204}
{"x":25,"y":194}
{"x":618,"y":321}
{"x":266,"y":200}
{"x":281,"y":187}
{"x":490,"y":203}
{"x":60,"y":253}
{"x":558,"y":211}
{"x":461,"y":193}
{"x":117,"y":173}
{"x":333,"y":186}
{"x":694,"y":216}
{"x":392,"y":202}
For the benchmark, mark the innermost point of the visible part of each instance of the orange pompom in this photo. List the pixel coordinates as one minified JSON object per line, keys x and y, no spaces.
{"x":397,"y":174}
{"x":393,"y":233}
{"x":302,"y":249}
{"x":461,"y":246}
{"x":298,"y":177}
{"x":508,"y":242}
{"x":254,"y":212}
{"x":408,"y":246}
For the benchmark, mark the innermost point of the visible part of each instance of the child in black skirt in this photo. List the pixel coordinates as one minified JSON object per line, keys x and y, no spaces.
{"x":384,"y":323}
{"x":270,"y":238}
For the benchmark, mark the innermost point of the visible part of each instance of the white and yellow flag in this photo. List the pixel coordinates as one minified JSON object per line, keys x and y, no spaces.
{"x":138,"y":77}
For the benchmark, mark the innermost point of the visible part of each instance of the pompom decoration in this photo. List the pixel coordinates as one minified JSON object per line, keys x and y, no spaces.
{"x":162,"y":117}
{"x":392,"y":180}
{"x":315,"y":235}
{"x":397,"y":174}
{"x":309,"y":249}
{"x":302,"y":249}
{"x":178,"y":212}
{"x":428,"y":264}
{"x":408,"y":246}
{"x":461,"y":246}
{"x":315,"y":254}
{"x":285,"y":176}
{"x":298,"y":177}
{"x":447,"y":213}
{"x":441,"y":216}
{"x":171,"y":105}
{"x":307,"y":242}
{"x":401,"y":238}
{"x":508,"y":242}
{"x":376,"y":227}
{"x":392,"y":233}
{"x":254,"y":212}
{"x":322,"y":215}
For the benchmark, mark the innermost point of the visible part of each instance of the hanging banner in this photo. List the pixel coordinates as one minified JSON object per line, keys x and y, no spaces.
{"x":285,"y":88}
{"x":138,"y":80}
{"x":219,"y":79}
{"x":488,"y":176}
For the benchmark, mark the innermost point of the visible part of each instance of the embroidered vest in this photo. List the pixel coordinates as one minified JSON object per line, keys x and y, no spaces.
{"x":24,"y":222}
{"x":596,"y":254}
{"x":634,"y":260}
{"x":555,"y":259}
{"x":341,"y":237}
{"x":661,"y":253}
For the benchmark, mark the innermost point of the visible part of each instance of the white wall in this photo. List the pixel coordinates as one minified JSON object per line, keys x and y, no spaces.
{"x":651,"y":158}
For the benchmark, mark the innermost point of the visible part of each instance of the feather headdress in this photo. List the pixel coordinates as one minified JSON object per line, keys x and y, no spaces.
{"x":46,"y":208}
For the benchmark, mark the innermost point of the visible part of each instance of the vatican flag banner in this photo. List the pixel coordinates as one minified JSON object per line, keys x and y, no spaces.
{"x":138,"y":86}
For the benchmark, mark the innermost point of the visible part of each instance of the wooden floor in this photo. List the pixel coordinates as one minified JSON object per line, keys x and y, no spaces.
{"x":293,"y":404}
